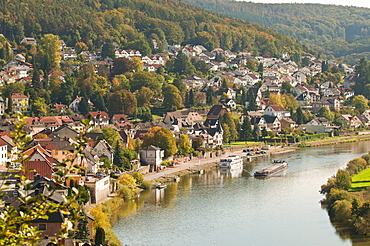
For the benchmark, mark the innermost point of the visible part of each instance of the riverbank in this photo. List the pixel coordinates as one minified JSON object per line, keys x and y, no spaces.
{"x":196,"y":164}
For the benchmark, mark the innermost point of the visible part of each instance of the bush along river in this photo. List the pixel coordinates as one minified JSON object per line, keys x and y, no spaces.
{"x":234,"y":208}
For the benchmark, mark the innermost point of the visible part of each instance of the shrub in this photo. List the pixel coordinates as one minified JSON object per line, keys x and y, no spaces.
{"x":166,"y":163}
{"x":146,"y":185}
{"x":139,"y":177}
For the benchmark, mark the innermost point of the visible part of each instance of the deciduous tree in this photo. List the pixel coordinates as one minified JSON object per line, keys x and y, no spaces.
{"x":162,"y":138}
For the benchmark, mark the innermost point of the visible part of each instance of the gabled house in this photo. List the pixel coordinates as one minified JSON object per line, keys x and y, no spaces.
{"x":287,"y":123}
{"x":103,"y":149}
{"x":272,"y":123}
{"x":228,"y":102}
{"x":271,"y":87}
{"x":39,"y":160}
{"x":349,"y":121}
{"x":277,"y":111}
{"x":216,"y":112}
{"x":98,"y":119}
{"x":226,"y":91}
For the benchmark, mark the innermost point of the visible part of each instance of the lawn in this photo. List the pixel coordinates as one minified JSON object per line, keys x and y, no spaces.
{"x":361,"y":180}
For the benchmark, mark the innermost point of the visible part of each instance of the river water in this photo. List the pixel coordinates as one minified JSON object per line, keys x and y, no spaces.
{"x":224,"y":208}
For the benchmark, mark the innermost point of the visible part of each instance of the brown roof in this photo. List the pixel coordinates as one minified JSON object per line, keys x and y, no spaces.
{"x":277,"y":107}
{"x":18,"y":95}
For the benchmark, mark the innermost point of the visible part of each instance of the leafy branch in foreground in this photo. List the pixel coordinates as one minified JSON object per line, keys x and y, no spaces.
{"x":17,"y":215}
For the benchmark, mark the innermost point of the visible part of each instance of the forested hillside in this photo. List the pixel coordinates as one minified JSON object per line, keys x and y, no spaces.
{"x":134,"y":24}
{"x":339,"y":31}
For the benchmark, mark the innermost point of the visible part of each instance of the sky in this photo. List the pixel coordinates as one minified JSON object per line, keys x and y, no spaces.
{"x":357,"y":3}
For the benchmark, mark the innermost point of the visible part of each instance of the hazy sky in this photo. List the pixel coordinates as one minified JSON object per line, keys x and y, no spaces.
{"x":357,"y":3}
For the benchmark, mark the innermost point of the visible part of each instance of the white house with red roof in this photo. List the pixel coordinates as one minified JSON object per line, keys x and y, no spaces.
{"x":20,"y":102}
{"x":277,"y":110}
{"x":99,"y":119}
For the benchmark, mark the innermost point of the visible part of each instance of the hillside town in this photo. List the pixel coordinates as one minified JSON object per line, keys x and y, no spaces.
{"x":231,"y":97}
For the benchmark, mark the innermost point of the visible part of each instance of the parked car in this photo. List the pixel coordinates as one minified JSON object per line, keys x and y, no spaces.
{"x":262,"y":152}
{"x":250,"y":153}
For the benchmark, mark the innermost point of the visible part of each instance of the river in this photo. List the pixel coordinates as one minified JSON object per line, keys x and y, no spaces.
{"x":219,"y":208}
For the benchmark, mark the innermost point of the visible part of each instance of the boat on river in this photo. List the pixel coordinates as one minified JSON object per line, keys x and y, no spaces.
{"x":275,"y":167}
{"x":232,"y":161}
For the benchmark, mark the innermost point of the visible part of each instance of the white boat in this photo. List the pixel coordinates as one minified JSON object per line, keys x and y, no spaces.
{"x":232,"y":161}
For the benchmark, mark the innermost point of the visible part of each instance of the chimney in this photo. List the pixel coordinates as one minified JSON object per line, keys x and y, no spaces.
{"x":37,"y":192}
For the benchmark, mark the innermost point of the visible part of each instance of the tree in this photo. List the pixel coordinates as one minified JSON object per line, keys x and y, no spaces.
{"x":162,"y":138}
{"x":122,"y":65}
{"x":182,"y":65}
{"x":360,"y":103}
{"x":227,"y":119}
{"x":122,"y":101}
{"x":325,"y":112}
{"x":49,"y":52}
{"x":111,"y":136}
{"x":120,"y":82}
{"x":252,"y":105}
{"x":83,"y":232}
{"x":210,"y":95}
{"x":183,"y":145}
{"x":172,"y":98}
{"x":197,"y":143}
{"x":147,"y":79}
{"x":99,"y":236}
{"x":119,"y":158}
{"x":107,"y":51}
{"x":246,"y":130}
{"x":144,"y":96}
{"x":84,"y":106}
{"x":39,"y":107}
{"x":343,"y":179}
{"x":80,"y":46}
{"x":299,"y":117}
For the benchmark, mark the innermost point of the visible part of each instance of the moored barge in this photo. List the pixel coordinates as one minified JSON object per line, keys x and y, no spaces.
{"x":277,"y":166}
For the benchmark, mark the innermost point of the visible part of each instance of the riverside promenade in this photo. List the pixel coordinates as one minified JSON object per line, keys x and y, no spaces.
{"x":198,"y":163}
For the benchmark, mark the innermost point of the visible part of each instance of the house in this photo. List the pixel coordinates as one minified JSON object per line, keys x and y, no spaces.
{"x":259,"y":122}
{"x":29,"y":40}
{"x":216,"y":112}
{"x":319,"y":125}
{"x":216,"y":135}
{"x":152,"y":156}
{"x":194,"y":81}
{"x":230,"y":93}
{"x":270,"y":86}
{"x":19,"y":101}
{"x":331,"y":102}
{"x":98,"y":119}
{"x":182,"y":118}
{"x":272,"y":123}
{"x":349,"y":121}
{"x":65,"y":131}
{"x":2,"y":106}
{"x":271,"y":73}
{"x":3,"y":152}
{"x":69,"y":54}
{"x":99,"y":188}
{"x":287,"y":123}
{"x":103,"y":149}
{"x":228,"y":102}
{"x":121,"y":121}
{"x":40,"y":160}
{"x":276,"y":110}
{"x":251,"y":78}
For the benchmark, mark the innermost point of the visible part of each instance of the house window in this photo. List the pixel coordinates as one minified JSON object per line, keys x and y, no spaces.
{"x":42,"y":227}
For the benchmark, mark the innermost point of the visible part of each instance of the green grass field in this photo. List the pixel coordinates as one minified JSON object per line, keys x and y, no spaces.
{"x":361,"y":180}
